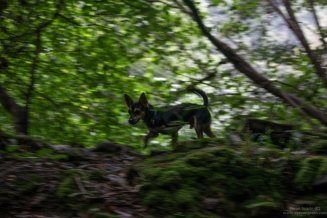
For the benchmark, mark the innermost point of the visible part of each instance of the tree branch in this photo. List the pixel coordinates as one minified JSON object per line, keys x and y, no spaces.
{"x":303,"y":114}
{"x":245,"y":68}
{"x":37,"y":51}
{"x":183,"y":9}
{"x":322,"y":35}
{"x":209,"y":75}
{"x":295,"y":27}
{"x":30,"y":88}
{"x":70,"y":20}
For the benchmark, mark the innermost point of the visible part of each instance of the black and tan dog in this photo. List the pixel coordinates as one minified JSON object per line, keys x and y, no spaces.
{"x":170,"y":119}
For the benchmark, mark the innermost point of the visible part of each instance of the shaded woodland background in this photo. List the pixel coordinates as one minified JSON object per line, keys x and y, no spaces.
{"x":65,"y":65}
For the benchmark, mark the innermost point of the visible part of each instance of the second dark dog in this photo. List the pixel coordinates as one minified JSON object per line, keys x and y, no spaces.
{"x":170,"y":119}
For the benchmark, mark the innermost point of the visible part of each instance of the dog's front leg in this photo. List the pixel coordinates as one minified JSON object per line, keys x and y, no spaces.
{"x":149,"y":136}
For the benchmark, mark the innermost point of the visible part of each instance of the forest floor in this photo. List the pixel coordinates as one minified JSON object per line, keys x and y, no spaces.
{"x":91,"y":184}
{"x":203,"y":178}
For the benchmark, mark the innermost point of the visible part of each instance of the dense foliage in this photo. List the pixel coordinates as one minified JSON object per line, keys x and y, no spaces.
{"x":66,"y":64}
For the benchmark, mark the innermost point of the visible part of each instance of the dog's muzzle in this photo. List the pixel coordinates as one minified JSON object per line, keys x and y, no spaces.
{"x":132,"y":121}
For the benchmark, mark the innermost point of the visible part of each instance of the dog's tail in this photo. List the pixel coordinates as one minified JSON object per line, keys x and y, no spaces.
{"x":201,"y":93}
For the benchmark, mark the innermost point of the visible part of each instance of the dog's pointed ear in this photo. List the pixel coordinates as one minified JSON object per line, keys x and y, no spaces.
{"x":143,"y":100}
{"x":128,"y":100}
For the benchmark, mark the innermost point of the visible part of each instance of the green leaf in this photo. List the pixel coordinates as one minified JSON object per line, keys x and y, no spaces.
{"x":12,"y":148}
{"x":267,"y":204}
{"x":216,"y":2}
{"x":26,"y":154}
{"x":43,"y":152}
{"x":59,"y":156}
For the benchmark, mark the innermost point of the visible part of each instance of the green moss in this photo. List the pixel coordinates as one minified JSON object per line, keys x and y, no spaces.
{"x":322,"y":171}
{"x":70,"y":195}
{"x":160,"y":201}
{"x":182,"y":184}
{"x":311,"y":170}
{"x":152,"y":171}
{"x":318,"y":147}
{"x":168,"y":179}
{"x":186,"y":196}
{"x":242,"y":180}
{"x":223,"y":152}
{"x":28,"y":183}
{"x":165,"y":158}
{"x":66,"y":187}
{"x":68,"y":184}
{"x":200,"y":159}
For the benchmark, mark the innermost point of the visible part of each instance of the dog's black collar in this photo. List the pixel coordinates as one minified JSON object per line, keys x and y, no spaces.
{"x":154,"y":118}
{"x":153,"y":121}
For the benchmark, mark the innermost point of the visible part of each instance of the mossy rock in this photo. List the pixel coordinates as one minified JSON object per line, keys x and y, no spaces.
{"x":246,"y":180}
{"x":177,"y":187}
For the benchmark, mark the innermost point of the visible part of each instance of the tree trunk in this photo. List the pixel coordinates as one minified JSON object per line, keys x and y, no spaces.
{"x":19,"y":113}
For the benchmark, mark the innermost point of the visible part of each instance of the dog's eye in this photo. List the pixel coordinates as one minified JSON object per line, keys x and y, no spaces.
{"x":137,"y":113}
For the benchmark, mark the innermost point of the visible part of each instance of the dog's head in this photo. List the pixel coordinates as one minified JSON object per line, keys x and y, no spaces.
{"x":136,"y":110}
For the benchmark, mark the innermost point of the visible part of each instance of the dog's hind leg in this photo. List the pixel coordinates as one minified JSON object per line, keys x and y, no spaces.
{"x":208,"y":131}
{"x":199,"y":132}
{"x":197,"y":127}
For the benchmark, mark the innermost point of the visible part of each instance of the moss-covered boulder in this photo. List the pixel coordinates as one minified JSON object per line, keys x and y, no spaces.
{"x":238,"y":183}
{"x":242,"y":182}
